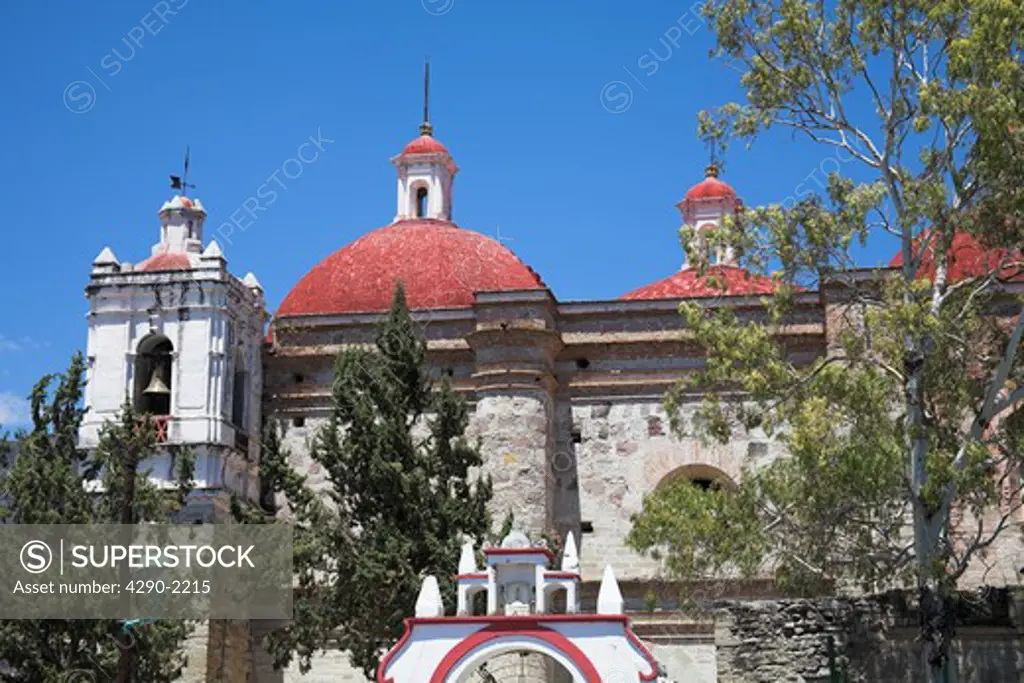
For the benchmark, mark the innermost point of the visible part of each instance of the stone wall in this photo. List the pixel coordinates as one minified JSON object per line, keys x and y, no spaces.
{"x":863,"y":640}
{"x":623,"y":450}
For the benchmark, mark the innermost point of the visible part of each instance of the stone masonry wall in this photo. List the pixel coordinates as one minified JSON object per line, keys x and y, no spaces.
{"x":625,"y":450}
{"x":516,"y":440}
{"x":862,"y":640}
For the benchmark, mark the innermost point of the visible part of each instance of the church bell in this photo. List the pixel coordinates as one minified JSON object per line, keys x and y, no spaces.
{"x":157,"y":386}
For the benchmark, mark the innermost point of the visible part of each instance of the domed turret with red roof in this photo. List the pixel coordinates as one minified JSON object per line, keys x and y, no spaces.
{"x":703,"y":207}
{"x":710,"y":188}
{"x":424,"y":144}
{"x":440,"y":264}
{"x":967,"y":258}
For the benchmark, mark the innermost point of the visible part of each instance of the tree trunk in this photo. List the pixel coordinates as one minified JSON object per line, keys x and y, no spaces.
{"x":126,"y":642}
{"x":937,"y":631}
{"x":936,"y":608}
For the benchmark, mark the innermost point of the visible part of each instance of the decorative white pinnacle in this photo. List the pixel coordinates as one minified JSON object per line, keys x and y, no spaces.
{"x":467,"y":562}
{"x":106,"y":258}
{"x":251,"y":282}
{"x":570,"y":555}
{"x":516,"y":539}
{"x":213,"y":251}
{"x":609,"y":598}
{"x":429,"y":602}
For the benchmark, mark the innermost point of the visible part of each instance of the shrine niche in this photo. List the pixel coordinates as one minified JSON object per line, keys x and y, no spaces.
{"x":521,"y":634}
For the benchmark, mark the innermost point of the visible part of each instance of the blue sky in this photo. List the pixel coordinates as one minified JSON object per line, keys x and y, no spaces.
{"x":574,"y":141}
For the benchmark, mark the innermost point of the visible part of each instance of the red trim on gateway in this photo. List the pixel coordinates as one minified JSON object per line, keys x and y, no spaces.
{"x":561,"y":575}
{"x":651,"y":659}
{"x":522,"y":619}
{"x":393,"y":652}
{"x":505,"y":630}
{"x":530,"y":625}
{"x":520,"y":551}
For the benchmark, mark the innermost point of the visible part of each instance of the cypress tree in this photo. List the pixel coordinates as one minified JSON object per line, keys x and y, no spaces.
{"x":403,"y":493}
{"x":48,"y":483}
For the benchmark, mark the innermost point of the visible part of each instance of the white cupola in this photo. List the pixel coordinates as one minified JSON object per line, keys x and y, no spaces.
{"x":426,"y":173}
{"x":181,"y":226}
{"x":703,"y":208}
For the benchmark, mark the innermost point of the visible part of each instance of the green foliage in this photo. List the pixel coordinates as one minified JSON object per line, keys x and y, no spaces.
{"x":401,"y":498}
{"x":699,"y":533}
{"x":49,"y":484}
{"x":901,"y":437}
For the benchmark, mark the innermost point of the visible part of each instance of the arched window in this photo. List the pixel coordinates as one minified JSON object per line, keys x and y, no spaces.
{"x":422,"y":194}
{"x":702,"y":476}
{"x":153,"y":376}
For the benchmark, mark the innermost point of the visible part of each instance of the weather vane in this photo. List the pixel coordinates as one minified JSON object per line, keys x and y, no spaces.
{"x":180,"y":183}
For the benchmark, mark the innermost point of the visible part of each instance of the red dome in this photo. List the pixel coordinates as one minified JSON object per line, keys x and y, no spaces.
{"x":424,"y":144}
{"x":967,"y":258}
{"x":441,"y":265}
{"x":711,"y":188}
{"x":717,"y":281}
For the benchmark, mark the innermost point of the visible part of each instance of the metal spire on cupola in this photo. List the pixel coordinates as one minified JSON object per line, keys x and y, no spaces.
{"x":425,"y":171}
{"x":180,"y":183}
{"x":181,"y":219}
{"x":426,"y":128}
{"x":713,"y":167}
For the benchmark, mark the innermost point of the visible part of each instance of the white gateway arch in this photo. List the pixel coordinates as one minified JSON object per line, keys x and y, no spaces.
{"x":590,"y":648}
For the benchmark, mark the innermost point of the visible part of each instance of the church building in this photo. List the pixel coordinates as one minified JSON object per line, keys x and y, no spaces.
{"x":566,"y":397}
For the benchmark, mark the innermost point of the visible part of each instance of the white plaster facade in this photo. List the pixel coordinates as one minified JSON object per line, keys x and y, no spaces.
{"x":213,"y":325}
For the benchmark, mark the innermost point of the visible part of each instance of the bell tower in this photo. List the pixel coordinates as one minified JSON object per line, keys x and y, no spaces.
{"x":426,"y":172}
{"x":180,"y":338}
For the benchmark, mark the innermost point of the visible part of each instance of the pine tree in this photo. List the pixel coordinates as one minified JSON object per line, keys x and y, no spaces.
{"x":47,"y":484}
{"x":402,"y":496}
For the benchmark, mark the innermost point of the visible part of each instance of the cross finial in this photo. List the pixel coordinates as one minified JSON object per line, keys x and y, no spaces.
{"x":426,"y":128}
{"x":180,"y":183}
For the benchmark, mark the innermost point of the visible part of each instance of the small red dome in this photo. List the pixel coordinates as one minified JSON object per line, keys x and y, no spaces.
{"x":440,"y":264}
{"x":424,"y":144}
{"x":967,"y":258}
{"x":165,"y":261}
{"x":717,"y":281}
{"x":711,"y":188}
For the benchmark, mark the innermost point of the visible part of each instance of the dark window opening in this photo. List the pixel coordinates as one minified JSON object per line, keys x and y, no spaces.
{"x":582,"y":363}
{"x":238,"y":399}
{"x":757,"y":449}
{"x":239,"y":391}
{"x":299,"y":379}
{"x":421,"y":202}
{"x":586,"y":527}
{"x":153,"y":375}
{"x":706,"y":484}
{"x":298,"y":422}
